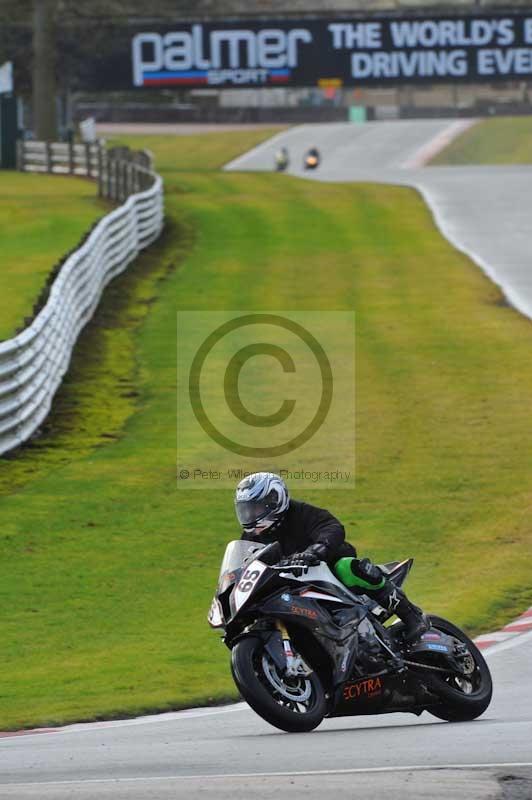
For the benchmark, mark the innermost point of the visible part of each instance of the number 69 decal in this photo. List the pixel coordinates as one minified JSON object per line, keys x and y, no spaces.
{"x":247,"y":583}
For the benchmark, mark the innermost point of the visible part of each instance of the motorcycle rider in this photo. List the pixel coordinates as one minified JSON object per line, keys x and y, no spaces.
{"x":282,"y":159}
{"x":312,"y":157}
{"x":307,"y":535}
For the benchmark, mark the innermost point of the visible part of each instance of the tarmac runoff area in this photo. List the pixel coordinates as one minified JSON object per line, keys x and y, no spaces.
{"x":484,"y":211}
{"x":229,"y":752}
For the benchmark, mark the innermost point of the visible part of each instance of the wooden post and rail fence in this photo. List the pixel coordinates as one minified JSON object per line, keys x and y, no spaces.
{"x":119,"y":171}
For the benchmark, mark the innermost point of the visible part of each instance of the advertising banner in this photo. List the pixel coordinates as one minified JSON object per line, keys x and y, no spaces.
{"x":328,"y":52}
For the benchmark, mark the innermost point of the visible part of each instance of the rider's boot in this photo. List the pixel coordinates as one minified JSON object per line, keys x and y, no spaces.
{"x":393,"y":599}
{"x":364,"y":576}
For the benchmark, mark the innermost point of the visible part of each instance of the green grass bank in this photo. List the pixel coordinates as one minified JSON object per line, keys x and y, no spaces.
{"x":107,"y":570}
{"x":504,"y":140}
{"x":42,"y":217}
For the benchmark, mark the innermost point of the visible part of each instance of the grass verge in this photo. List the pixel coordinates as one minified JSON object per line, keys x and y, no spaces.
{"x":504,"y":140}
{"x":108,"y":570}
{"x":42,"y":217}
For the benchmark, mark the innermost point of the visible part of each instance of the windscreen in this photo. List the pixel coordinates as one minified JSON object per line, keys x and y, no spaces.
{"x":235,"y":554}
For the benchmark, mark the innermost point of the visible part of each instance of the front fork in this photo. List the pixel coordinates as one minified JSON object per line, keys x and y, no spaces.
{"x":295,"y":666}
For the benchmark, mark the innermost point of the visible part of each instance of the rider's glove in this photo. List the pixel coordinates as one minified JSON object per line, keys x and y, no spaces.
{"x":318,"y":551}
{"x":295,"y":564}
{"x":310,"y":557}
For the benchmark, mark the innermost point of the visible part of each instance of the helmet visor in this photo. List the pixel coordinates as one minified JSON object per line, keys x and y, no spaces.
{"x":249,"y":512}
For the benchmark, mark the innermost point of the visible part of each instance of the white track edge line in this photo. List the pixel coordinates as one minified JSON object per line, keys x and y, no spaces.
{"x":288,"y":774}
{"x":151,"y":719}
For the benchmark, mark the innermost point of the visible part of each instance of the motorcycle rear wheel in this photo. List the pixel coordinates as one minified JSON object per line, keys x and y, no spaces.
{"x":295,"y":705}
{"x":462,"y":700}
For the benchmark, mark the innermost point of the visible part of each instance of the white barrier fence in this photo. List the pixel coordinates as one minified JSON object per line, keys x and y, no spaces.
{"x":33,"y":363}
{"x":63,"y":158}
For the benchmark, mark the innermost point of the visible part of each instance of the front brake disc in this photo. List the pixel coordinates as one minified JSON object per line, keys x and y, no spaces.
{"x":299,"y":692}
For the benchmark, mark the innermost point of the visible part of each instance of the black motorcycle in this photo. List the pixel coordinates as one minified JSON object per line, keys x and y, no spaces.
{"x":312,"y":159}
{"x":304,"y":647}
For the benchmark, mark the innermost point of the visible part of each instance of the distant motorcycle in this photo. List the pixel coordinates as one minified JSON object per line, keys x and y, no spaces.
{"x":304,"y":647}
{"x":282,"y":160}
{"x":312,"y":159}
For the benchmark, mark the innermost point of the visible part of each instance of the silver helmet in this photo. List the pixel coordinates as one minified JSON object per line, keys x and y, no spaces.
{"x":261,"y":500}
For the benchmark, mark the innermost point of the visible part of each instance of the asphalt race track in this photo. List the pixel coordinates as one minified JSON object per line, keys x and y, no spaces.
{"x":231,"y":753}
{"x":484,"y":211}
{"x":349,"y":149}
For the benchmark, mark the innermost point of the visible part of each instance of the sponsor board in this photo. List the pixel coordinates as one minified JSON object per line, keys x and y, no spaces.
{"x":334,"y":52}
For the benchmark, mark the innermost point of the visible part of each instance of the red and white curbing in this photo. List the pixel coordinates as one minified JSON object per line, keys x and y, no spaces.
{"x":520,"y":625}
{"x":443,"y":139}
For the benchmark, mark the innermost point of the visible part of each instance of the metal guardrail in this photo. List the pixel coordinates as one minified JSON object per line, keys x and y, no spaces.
{"x":33,"y":363}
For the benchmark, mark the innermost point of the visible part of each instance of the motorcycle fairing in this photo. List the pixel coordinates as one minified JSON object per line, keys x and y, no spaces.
{"x":397,"y":571}
{"x":249,"y":578}
{"x":322,"y":579}
{"x":337,"y":631}
{"x":318,"y":582}
{"x":379,"y":694}
{"x":215,"y":615}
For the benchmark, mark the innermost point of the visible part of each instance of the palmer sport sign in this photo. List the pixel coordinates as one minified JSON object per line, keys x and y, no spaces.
{"x":333,"y":52}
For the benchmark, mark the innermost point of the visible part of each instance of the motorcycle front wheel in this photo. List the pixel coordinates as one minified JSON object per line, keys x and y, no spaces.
{"x":293,"y":704}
